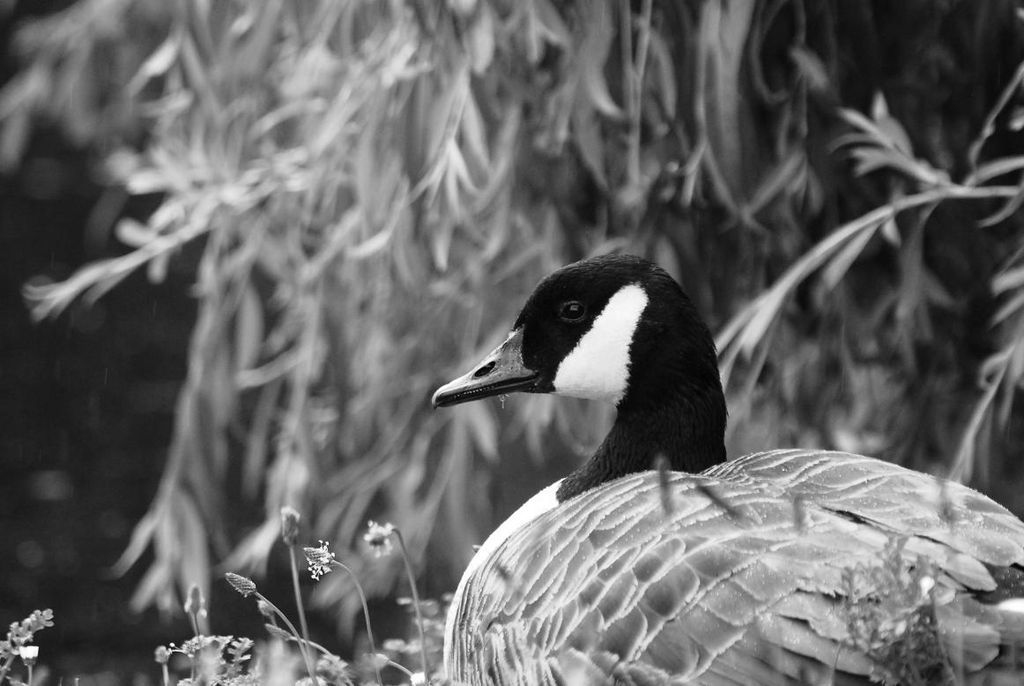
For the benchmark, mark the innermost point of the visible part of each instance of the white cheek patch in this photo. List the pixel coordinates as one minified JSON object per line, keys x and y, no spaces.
{"x":598,"y":367}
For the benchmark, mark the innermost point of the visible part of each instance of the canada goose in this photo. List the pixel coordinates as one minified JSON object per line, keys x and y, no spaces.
{"x":707,"y":572}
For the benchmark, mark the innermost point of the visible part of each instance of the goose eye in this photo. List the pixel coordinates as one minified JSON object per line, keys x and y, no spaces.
{"x":572,"y":311}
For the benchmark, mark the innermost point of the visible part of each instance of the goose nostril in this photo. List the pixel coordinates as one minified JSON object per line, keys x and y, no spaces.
{"x":484,"y":371}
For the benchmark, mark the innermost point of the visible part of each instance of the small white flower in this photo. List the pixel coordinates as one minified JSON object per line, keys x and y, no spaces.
{"x":378,"y":537}
{"x":319,"y":560}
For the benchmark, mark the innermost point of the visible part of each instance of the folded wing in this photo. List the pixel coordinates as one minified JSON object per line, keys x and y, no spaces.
{"x":733,"y":576}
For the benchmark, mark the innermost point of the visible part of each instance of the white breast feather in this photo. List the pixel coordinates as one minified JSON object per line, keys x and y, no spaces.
{"x":541,"y":502}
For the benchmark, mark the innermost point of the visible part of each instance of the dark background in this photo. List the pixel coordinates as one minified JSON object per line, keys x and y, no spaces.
{"x":86,"y":412}
{"x":86,"y":409}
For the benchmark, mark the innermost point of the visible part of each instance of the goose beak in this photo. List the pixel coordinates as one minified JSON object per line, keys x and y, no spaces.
{"x":502,"y":371}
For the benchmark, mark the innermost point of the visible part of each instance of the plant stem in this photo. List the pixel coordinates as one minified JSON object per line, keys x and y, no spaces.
{"x":415,"y":601}
{"x":6,"y":667}
{"x":366,"y":615}
{"x":303,"y":648}
{"x":400,"y":668}
{"x":634,"y":66}
{"x":298,"y":596}
{"x":314,"y":645}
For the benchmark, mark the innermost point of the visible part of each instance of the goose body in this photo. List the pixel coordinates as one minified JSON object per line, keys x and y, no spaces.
{"x":709,"y":572}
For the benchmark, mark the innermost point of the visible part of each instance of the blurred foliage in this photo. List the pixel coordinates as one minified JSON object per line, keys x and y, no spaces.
{"x":374,"y":187}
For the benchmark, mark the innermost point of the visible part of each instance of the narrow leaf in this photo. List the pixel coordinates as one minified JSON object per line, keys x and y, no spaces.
{"x":837,"y":267}
{"x":156,"y":64}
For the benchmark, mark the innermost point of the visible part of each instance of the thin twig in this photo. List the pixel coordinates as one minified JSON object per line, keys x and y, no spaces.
{"x":298,"y":596}
{"x":415,"y":601}
{"x":963,"y":466}
{"x":630,"y":91}
{"x":988,"y":128}
{"x":633,"y":67}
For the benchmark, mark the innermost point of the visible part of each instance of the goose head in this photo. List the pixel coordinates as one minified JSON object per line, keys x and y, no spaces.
{"x":616,"y":328}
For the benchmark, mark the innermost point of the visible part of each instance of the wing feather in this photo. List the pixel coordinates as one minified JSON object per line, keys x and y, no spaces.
{"x":611,"y":584}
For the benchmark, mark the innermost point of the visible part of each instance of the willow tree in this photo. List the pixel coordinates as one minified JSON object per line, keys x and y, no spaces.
{"x":374,"y":185}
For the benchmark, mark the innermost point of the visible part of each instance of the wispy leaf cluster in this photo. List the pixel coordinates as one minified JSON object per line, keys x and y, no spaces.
{"x":366,"y":190}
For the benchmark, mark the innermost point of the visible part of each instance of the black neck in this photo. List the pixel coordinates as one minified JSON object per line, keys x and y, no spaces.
{"x":688,"y":434}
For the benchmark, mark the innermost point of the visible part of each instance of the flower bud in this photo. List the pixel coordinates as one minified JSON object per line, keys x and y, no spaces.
{"x":289,"y":525}
{"x":243,"y":585}
{"x":195,"y":604}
